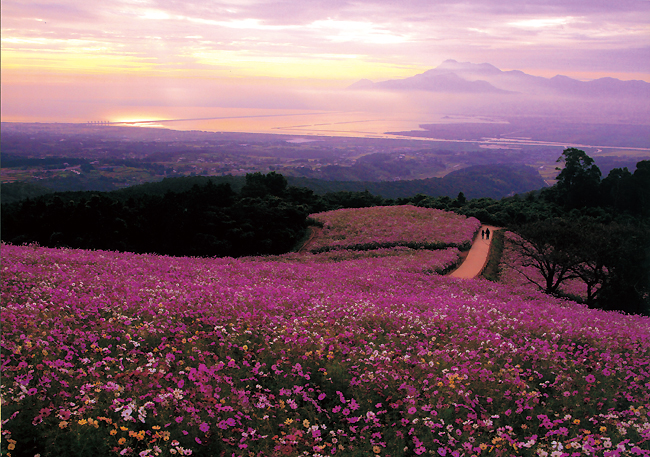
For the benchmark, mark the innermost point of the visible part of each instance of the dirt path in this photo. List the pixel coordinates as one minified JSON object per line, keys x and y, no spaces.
{"x":314,"y":231}
{"x":477,"y":256}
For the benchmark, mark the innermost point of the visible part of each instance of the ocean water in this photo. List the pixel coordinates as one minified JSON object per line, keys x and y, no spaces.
{"x":318,"y":123}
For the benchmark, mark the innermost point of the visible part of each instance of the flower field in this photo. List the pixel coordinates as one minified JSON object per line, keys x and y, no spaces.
{"x":387,"y":226}
{"x":120,"y":354}
{"x":397,"y":258}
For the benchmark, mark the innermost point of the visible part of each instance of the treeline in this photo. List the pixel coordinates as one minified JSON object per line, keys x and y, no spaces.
{"x":590,"y":227}
{"x":584,"y":228}
{"x":265,"y":217}
{"x":493,"y":181}
{"x":170,"y":216}
{"x":490,"y":181}
{"x":580,"y":192}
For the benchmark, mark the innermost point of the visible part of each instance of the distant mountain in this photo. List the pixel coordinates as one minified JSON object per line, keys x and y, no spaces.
{"x":465,"y":77}
{"x":433,"y":81}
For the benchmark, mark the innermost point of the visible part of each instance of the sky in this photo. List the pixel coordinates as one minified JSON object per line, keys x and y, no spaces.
{"x":85,"y":59}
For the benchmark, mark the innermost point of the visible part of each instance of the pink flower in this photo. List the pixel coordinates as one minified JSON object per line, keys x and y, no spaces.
{"x":590,"y":379}
{"x":413,"y":410}
{"x":204,"y":427}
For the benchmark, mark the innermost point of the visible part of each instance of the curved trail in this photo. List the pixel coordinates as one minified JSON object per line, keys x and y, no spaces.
{"x":314,"y":232}
{"x":477,"y":257}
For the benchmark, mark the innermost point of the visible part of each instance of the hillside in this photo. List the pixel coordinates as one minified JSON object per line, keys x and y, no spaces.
{"x":349,"y":353}
{"x":492,"y":181}
{"x":381,"y":227}
{"x":477,"y":181}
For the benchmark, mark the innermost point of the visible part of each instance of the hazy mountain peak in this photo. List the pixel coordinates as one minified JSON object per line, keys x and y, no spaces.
{"x":362,"y":84}
{"x":452,"y":76}
{"x":454,"y":65}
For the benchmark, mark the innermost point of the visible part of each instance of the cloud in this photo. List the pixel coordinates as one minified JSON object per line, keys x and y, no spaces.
{"x":314,"y":43}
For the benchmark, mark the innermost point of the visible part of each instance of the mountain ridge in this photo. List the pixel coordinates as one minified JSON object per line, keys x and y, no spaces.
{"x":465,"y":77}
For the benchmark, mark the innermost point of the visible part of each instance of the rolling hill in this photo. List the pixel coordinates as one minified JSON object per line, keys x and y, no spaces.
{"x":145,"y":354}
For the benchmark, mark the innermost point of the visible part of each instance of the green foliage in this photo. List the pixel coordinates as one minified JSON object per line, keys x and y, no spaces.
{"x":494,"y":181}
{"x":208,"y":220}
{"x":260,"y":185}
{"x":613,"y":260}
{"x":547,"y":247}
{"x":15,"y":191}
{"x":577,"y":183}
{"x":408,"y":244}
{"x":492,"y":269}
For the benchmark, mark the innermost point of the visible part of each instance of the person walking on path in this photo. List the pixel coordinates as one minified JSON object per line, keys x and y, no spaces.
{"x":477,"y":256}
{"x":483,"y":234}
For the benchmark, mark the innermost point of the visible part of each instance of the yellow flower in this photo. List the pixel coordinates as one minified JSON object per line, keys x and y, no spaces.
{"x":603,"y":429}
{"x":376,"y":449}
{"x":305,"y":423}
{"x":63,"y":424}
{"x":113,"y":432}
{"x":288,"y":421}
{"x":82,"y":421}
{"x":483,"y":446}
{"x":576,"y":421}
{"x":11,"y":446}
{"x":123,"y":428}
{"x":121,"y":441}
{"x":156,"y":427}
{"x":245,"y":347}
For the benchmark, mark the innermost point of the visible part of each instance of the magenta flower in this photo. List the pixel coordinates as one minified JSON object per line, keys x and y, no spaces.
{"x":138,"y":325}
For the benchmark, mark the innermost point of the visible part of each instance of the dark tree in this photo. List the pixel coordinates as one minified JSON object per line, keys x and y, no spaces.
{"x":548,"y":248}
{"x":641,"y":182}
{"x":577,"y":183}
{"x":260,"y":185}
{"x":613,"y":260}
{"x":626,"y":278}
{"x":461,"y":199}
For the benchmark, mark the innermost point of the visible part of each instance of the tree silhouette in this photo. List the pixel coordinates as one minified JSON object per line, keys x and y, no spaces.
{"x":546,"y":247}
{"x":577,"y":183}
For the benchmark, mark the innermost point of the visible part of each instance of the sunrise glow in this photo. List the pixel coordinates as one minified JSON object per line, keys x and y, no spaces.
{"x":99,"y":57}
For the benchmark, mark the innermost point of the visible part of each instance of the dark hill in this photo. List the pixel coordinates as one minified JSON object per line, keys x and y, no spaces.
{"x":494,"y":181}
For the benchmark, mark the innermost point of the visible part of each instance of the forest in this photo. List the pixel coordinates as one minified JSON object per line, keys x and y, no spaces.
{"x":595,"y":221}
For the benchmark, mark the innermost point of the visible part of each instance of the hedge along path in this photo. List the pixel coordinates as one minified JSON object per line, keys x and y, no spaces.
{"x":477,"y":256}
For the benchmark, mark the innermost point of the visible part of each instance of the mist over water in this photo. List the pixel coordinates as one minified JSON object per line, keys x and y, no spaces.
{"x":334,"y":112}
